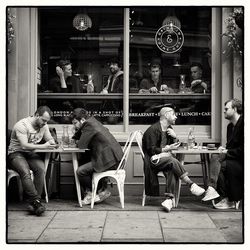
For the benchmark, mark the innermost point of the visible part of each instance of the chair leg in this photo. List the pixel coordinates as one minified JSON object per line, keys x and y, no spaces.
{"x":94,"y":190}
{"x":177,"y":193}
{"x":120,"y":186}
{"x":45,"y":189}
{"x":143,"y":198}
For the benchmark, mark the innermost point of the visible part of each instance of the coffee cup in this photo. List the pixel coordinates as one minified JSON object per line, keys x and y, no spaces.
{"x":211,"y":145}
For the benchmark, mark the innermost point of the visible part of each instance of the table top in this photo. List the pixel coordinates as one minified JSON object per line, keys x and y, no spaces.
{"x":61,"y":150}
{"x":182,"y":150}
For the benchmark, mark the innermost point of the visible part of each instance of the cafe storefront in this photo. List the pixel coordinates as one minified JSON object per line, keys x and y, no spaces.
{"x":90,"y":37}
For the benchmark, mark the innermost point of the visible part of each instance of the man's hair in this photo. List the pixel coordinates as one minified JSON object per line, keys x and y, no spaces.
{"x":116,"y":60}
{"x":42,"y":109}
{"x":155,"y":65}
{"x":63,"y":63}
{"x":166,"y":109}
{"x":78,"y":114}
{"x":235,"y":104}
{"x":196,"y":64}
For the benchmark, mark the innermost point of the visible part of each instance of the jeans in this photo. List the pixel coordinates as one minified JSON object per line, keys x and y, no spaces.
{"x":22,"y":163}
{"x":173,"y":165}
{"x":85,"y":173}
{"x":172,"y":170}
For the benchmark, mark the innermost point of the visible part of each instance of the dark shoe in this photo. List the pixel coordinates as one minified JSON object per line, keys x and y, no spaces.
{"x":36,"y":207}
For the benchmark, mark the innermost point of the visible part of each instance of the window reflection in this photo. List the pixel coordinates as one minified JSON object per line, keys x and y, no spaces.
{"x":173,"y":66}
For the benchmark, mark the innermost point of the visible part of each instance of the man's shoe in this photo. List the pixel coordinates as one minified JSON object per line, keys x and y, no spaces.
{"x":210,"y":194}
{"x":196,"y":190}
{"x":103,"y":195}
{"x":36,"y":207}
{"x":224,"y":204}
{"x":167,"y":204}
{"x":88,"y":197}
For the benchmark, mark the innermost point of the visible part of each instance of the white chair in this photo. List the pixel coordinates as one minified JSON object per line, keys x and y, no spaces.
{"x":138,"y":138}
{"x":119,"y":174}
{"x":12,"y":173}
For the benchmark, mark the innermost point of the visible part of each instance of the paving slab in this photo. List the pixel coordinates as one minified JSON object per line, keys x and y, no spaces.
{"x":201,"y":235}
{"x":78,"y":219}
{"x":185,"y":220}
{"x":70,"y":235}
{"x":131,"y":226}
{"x":230,"y":224}
{"x":26,"y":229}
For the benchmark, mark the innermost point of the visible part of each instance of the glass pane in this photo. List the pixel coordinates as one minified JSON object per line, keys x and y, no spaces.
{"x":170,"y":62}
{"x":81,"y":52}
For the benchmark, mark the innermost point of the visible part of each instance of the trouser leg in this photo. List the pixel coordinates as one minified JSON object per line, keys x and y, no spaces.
{"x":222,"y":181}
{"x":17,"y":161}
{"x":37,"y":166}
{"x":215,"y":166}
{"x":85,"y":173}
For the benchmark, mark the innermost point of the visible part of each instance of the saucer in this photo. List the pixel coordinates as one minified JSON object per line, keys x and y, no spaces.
{"x":212,"y":148}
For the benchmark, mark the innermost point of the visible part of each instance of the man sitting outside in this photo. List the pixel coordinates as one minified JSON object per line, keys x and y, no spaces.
{"x":230,"y":184}
{"x":25,"y":137}
{"x":105,"y":152}
{"x":159,"y":138}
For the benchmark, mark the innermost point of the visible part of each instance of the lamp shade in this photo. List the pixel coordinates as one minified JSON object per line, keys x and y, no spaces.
{"x":82,"y":22}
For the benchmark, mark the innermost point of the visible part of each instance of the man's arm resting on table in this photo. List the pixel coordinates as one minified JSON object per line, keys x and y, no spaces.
{"x":26,"y":145}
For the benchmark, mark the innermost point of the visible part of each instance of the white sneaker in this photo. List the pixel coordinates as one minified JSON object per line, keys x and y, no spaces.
{"x":196,"y":190}
{"x":167,"y":204}
{"x":210,"y":194}
{"x":103,"y":195}
{"x":88,"y":197}
{"x":224,"y":204}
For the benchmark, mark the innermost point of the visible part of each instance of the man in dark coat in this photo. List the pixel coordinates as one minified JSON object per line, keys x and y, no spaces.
{"x":105,"y":152}
{"x":161,"y":138}
{"x":230,"y":184}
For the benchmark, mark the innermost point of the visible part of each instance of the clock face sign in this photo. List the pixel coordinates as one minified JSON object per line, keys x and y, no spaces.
{"x":169,"y":38}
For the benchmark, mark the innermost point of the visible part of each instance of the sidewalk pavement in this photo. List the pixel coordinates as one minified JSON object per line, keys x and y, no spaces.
{"x":65,"y":222}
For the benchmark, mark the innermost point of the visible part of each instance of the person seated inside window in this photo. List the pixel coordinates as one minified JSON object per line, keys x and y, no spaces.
{"x":198,"y":84}
{"x":65,"y":82}
{"x":115,"y":79}
{"x":155,"y":83}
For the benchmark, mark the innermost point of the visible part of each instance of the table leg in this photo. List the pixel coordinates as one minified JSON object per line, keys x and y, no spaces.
{"x":46,"y":163}
{"x":78,"y":187}
{"x":204,"y":169}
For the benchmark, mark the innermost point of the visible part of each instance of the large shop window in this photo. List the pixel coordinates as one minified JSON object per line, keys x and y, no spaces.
{"x":91,"y":39}
{"x":169,"y":62}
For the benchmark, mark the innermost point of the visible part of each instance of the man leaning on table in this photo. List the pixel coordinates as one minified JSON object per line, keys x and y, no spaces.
{"x":161,"y":138}
{"x":229,"y":183}
{"x":105,"y":153}
{"x":25,"y":137}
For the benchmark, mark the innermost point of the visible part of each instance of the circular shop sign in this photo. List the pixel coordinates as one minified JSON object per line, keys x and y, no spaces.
{"x":169,"y":38}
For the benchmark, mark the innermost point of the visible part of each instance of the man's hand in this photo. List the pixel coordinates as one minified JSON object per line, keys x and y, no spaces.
{"x":222,"y":150}
{"x":164,"y":87}
{"x":171,"y":147}
{"x":171,"y":132}
{"x":153,"y":90}
{"x":47,"y":145}
{"x":59,"y":72}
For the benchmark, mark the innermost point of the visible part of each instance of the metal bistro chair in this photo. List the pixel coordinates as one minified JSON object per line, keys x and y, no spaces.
{"x":119,"y":174}
{"x":138,"y":138}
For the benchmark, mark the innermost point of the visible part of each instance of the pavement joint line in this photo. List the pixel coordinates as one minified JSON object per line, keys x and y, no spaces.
{"x":104,"y":225}
{"x":162,"y":234}
{"x":46,"y":226}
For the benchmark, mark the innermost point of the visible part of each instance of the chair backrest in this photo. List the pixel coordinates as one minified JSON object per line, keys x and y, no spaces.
{"x":126,"y":150}
{"x":138,"y":139}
